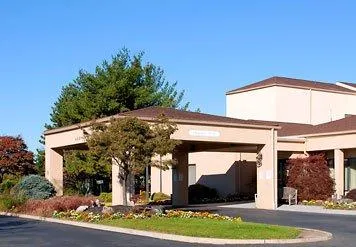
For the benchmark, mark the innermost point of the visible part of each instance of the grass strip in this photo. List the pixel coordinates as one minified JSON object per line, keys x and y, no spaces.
{"x":209,"y":228}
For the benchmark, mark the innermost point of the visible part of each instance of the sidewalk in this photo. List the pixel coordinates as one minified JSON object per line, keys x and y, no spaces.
{"x":297,"y":208}
{"x":315,"y":209}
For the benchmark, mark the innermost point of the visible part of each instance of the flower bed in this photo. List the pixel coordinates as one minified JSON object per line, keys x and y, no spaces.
{"x":344,"y":205}
{"x":313,"y":202}
{"x":340,"y":205}
{"x":186,"y":223}
{"x":96,"y":217}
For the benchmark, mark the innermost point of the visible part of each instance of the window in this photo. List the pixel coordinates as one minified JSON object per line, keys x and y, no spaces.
{"x":350,"y":174}
{"x":192,"y":179}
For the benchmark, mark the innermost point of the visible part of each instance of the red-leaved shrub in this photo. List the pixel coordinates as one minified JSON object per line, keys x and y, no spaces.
{"x":48,"y":206}
{"x":311,"y":177}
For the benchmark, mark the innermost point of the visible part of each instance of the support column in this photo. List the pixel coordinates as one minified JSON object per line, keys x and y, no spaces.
{"x":339,"y":172}
{"x":180,"y":179}
{"x":267,"y":174}
{"x":54,"y":169}
{"x":117,"y":186}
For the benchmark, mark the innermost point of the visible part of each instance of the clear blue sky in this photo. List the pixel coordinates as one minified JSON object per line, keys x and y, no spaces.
{"x":209,"y":47}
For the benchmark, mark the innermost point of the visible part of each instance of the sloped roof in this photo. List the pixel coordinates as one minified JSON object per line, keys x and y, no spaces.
{"x":349,"y":84}
{"x":294,"y":129}
{"x":289,"y":129}
{"x":153,"y":112}
{"x":345,"y":124}
{"x":292,"y":82}
{"x":284,"y":129}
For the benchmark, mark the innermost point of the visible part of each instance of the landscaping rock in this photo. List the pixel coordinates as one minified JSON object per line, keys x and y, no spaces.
{"x":160,"y":209}
{"x":107,"y":210}
{"x":95,"y":203}
{"x":82,"y":208}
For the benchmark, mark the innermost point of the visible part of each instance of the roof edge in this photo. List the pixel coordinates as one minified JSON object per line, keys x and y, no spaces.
{"x":345,"y":132}
{"x":288,"y":86}
{"x":177,"y":121}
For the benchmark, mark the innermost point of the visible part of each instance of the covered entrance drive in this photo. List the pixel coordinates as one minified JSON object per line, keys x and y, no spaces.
{"x":198,"y":133}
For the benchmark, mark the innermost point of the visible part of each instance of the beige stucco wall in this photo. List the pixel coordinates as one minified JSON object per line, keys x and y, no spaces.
{"x":229,"y":173}
{"x":330,"y":142}
{"x":292,"y":105}
{"x":166,"y":180}
{"x":328,"y":106}
{"x":219,"y":170}
{"x":256,"y":104}
{"x":286,"y":104}
{"x":212,"y":168}
{"x":201,"y":133}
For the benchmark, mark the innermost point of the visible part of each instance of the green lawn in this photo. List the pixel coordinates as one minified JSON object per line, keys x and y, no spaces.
{"x":207,"y":228}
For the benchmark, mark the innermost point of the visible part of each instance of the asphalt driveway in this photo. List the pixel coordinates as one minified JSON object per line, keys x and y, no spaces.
{"x":20,"y":232}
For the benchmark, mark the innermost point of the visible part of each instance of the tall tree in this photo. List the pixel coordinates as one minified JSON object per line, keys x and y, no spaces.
{"x":39,"y":161}
{"x":81,"y":165}
{"x":125,"y":83}
{"x":15,"y":159}
{"x":130,"y":143}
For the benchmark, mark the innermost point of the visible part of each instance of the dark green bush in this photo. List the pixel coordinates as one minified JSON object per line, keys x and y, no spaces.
{"x":8,"y":202}
{"x":34,"y":187}
{"x":159,"y":196}
{"x":198,"y":193}
{"x":105,"y":197}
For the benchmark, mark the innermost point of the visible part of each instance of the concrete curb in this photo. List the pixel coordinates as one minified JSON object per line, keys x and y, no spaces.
{"x":310,"y":235}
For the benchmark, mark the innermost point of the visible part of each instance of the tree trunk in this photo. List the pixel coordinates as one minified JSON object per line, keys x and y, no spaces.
{"x":124,"y":190}
{"x":160,"y":173}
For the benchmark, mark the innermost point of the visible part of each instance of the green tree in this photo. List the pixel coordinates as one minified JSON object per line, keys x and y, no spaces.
{"x":130,"y":143}
{"x":39,"y":160}
{"x":82,"y":165}
{"x":125,"y":83}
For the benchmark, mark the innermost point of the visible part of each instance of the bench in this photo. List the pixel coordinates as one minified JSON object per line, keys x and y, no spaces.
{"x":290,"y":194}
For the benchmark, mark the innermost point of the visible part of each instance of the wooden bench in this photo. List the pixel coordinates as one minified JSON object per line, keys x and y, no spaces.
{"x":290,"y":194}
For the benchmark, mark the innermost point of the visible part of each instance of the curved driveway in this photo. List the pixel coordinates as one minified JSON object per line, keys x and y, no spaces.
{"x":20,"y":232}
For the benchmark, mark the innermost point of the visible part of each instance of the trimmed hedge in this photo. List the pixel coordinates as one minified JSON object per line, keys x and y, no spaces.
{"x":105,"y":196}
{"x":198,"y":193}
{"x":159,"y":196}
{"x":34,"y":187}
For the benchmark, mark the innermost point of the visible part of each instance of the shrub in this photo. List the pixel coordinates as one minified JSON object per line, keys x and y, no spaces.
{"x":141,"y":198}
{"x":34,"y":187}
{"x":59,"y":204}
{"x":6,"y":185}
{"x":311,"y":177}
{"x":8,"y":202}
{"x":159,"y":196}
{"x":105,"y":197}
{"x":198,"y":193}
{"x":351,"y":195}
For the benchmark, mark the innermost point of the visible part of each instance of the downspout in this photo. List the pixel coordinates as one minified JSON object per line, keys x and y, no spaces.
{"x":310,"y":106}
{"x":275,"y":166}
